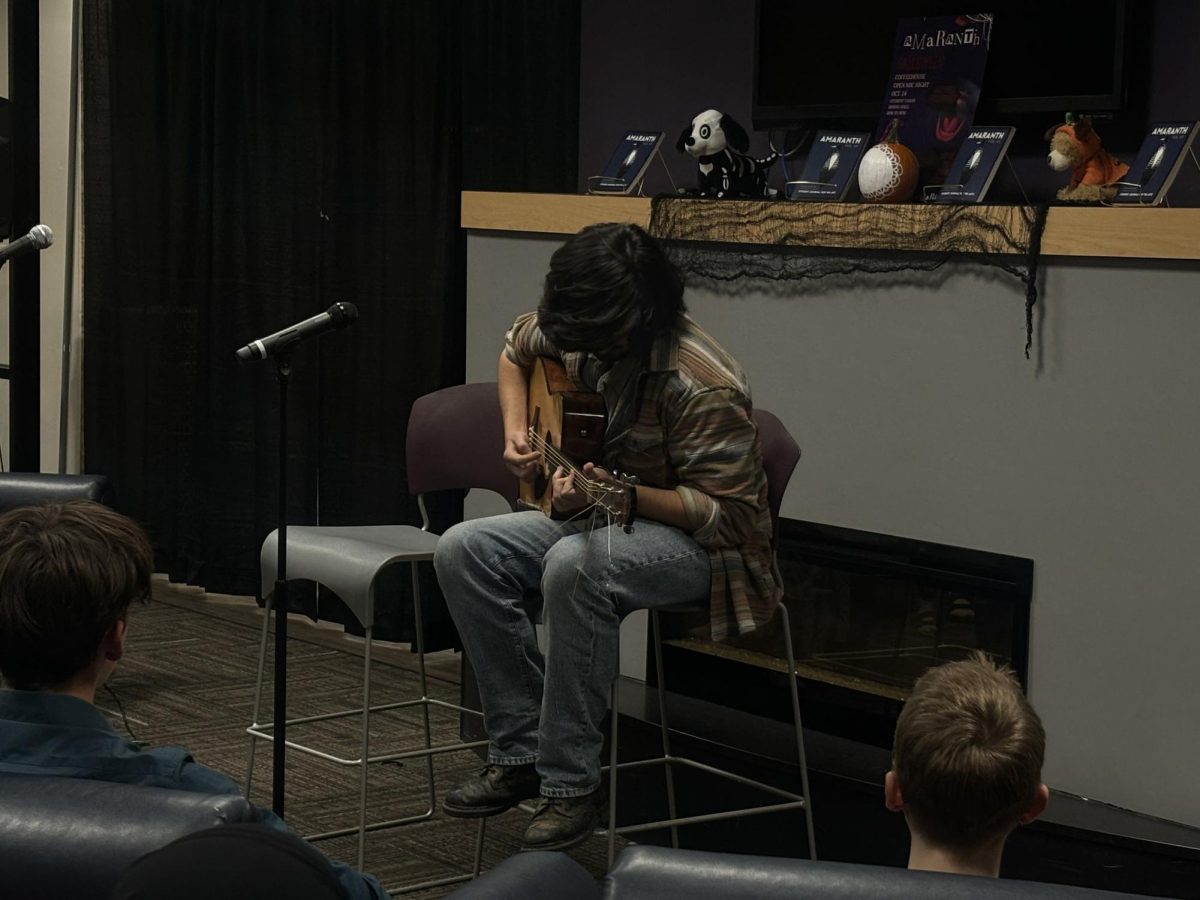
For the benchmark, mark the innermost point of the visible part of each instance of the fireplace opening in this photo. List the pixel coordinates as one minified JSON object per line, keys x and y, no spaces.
{"x":869,"y":614}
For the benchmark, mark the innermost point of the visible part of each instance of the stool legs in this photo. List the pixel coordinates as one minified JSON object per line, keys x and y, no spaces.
{"x":792,"y":683}
{"x":259,"y":731}
{"x":258,"y":683}
{"x":613,"y":742}
{"x":366,"y":748}
{"x":420,"y":629}
{"x":656,"y":627}
{"x":790,"y":800}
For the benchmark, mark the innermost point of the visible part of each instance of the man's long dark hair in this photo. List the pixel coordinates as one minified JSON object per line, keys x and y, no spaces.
{"x":609,"y":281}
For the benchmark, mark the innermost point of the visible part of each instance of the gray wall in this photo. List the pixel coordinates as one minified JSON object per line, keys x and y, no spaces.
{"x":920,"y":416}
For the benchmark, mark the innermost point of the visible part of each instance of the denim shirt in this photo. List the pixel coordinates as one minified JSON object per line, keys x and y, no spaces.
{"x":43,"y":733}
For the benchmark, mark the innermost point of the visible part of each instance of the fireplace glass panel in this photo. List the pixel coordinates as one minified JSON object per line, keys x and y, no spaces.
{"x":871,"y":612}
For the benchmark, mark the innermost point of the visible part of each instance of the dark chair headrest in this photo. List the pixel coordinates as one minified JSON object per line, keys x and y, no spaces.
{"x":31,"y":488}
{"x":72,"y":837}
{"x":547,"y":876}
{"x":252,"y":861}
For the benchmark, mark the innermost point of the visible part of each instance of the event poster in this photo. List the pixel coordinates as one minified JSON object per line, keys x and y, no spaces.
{"x":937,"y":72}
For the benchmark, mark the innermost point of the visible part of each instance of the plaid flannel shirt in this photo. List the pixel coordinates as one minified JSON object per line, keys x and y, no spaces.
{"x":681,"y":420}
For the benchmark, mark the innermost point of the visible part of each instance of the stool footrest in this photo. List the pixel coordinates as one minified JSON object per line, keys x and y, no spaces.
{"x":707,"y":817}
{"x":383,"y":707}
{"x":791,"y":800}
{"x":431,"y":883}
{"x":262,"y":734}
{"x":370,"y":826}
{"x":711,"y":770}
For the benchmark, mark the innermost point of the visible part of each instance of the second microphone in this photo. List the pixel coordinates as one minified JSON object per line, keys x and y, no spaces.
{"x":340,"y":315}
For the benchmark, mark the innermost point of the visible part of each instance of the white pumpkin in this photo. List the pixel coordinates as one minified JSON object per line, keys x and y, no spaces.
{"x":888,"y":171}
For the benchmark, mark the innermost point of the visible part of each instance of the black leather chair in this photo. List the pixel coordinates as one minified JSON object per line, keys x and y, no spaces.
{"x":73,"y":837}
{"x":666,"y":874}
{"x":536,"y":875}
{"x":33,"y":488}
{"x":28,"y":488}
{"x":661,"y":873}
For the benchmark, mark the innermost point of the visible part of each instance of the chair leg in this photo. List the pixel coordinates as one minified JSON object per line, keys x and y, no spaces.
{"x":656,"y":627}
{"x":792,"y":683}
{"x":366,"y":748}
{"x":420,"y":635}
{"x":262,"y":661}
{"x":613,"y":740}
{"x":478,"y":866}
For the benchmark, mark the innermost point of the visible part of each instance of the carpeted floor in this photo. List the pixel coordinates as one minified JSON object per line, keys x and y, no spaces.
{"x":188,"y":679}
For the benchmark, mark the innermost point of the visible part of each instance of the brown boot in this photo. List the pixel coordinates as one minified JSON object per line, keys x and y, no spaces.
{"x":496,"y":789}
{"x":562,"y":822}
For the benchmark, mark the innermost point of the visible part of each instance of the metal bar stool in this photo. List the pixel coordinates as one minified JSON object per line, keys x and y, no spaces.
{"x":451,"y":444}
{"x":780,"y":455}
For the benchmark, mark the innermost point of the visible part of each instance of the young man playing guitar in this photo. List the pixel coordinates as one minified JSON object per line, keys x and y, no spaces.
{"x":679,"y":419}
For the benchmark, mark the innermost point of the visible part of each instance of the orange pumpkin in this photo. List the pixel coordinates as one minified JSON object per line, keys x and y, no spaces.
{"x":888,"y":171}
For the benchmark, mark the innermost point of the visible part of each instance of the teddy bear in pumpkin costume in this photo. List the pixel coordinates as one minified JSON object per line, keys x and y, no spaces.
{"x":1075,"y":145}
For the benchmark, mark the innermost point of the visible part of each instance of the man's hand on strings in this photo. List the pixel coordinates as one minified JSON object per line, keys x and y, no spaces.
{"x":566,"y":495}
{"x":519,"y":458}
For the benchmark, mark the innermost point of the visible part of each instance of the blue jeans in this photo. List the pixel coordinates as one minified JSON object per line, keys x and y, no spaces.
{"x":499,"y":574}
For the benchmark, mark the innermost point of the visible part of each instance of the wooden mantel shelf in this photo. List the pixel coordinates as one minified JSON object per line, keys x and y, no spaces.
{"x":1130,"y":233}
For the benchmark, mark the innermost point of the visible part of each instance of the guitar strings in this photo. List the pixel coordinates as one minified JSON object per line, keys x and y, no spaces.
{"x":593,"y":489}
{"x":555,"y":456}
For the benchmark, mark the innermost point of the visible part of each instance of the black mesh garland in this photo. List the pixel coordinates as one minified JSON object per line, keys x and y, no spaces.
{"x":722,"y":241}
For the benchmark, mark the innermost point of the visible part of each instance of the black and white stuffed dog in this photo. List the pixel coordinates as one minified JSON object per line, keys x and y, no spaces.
{"x":720,"y":144}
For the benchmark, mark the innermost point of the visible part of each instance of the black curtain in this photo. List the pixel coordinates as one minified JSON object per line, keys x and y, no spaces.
{"x":247,"y":165}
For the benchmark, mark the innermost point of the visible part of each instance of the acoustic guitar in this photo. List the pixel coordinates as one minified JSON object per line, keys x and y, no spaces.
{"x":566,"y":426}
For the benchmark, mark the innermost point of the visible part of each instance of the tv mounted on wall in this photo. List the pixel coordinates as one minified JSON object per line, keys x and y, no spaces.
{"x":831,"y":62}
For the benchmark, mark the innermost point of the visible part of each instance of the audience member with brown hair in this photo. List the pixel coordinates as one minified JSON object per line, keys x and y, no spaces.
{"x":967,"y":766}
{"x":68,"y":575}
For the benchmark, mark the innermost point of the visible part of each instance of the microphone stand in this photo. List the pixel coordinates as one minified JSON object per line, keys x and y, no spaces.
{"x":281,"y":351}
{"x":283,"y":368}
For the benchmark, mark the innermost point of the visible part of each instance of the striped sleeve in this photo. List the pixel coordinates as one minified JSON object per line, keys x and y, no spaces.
{"x":715,"y":454}
{"x":525,"y":341}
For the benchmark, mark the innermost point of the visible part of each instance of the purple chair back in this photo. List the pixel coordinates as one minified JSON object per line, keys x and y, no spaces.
{"x":780,"y":454}
{"x":455,"y":441}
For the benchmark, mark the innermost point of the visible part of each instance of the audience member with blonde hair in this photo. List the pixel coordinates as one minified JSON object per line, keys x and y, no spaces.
{"x":967,"y":766}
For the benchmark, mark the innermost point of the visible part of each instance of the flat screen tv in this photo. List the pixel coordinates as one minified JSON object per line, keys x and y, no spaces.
{"x":831,"y":61}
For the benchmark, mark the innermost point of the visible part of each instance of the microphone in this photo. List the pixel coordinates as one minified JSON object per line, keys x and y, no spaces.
{"x":339,"y":315}
{"x":39,"y":238}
